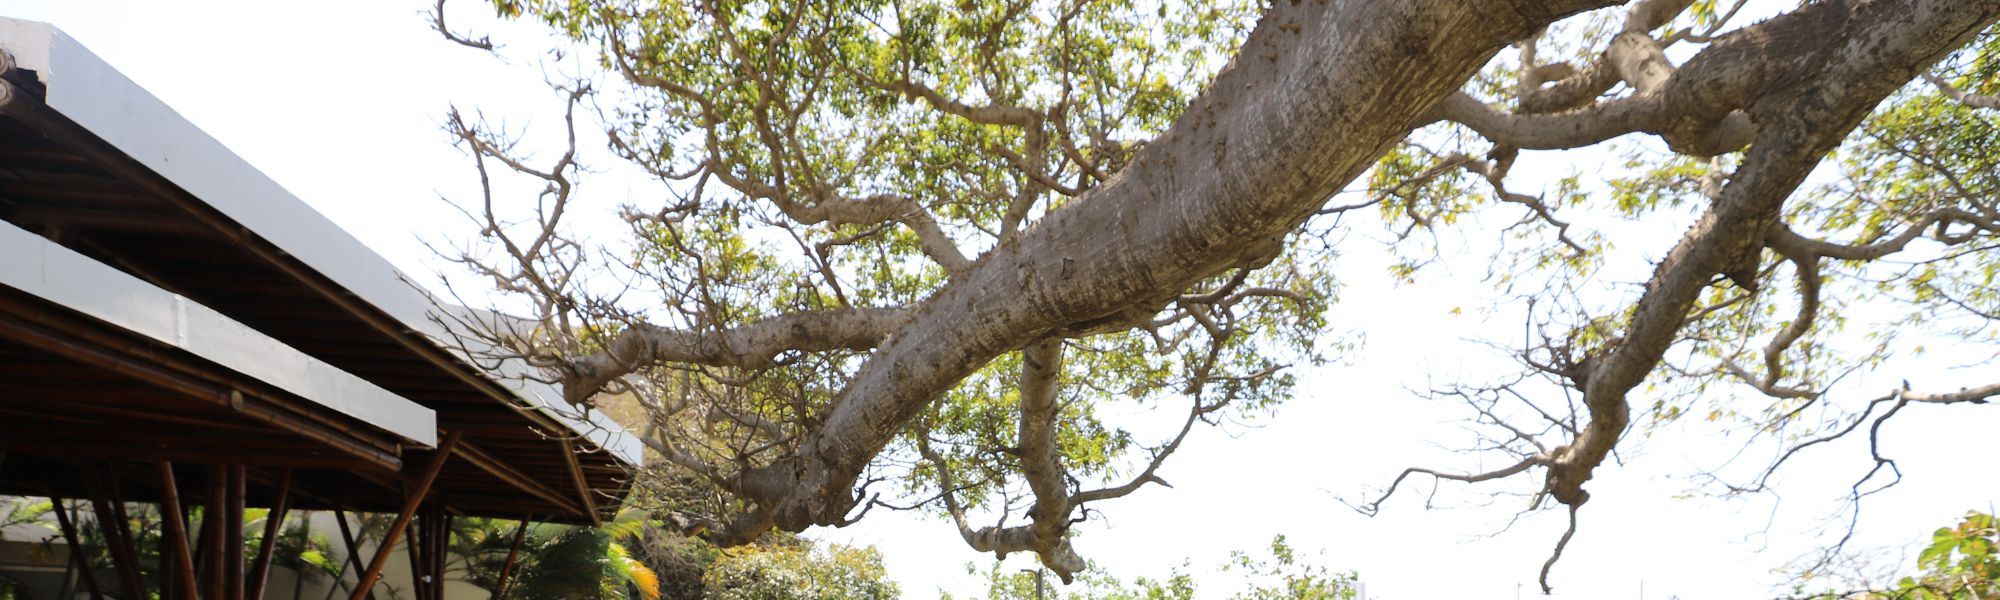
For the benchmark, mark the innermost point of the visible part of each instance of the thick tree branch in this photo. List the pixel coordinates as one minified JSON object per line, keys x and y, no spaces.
{"x":1562,"y":117}
{"x":1551,"y":131}
{"x":1859,"y":54}
{"x":748,"y":346}
{"x":1245,"y":164}
{"x":1041,"y":464}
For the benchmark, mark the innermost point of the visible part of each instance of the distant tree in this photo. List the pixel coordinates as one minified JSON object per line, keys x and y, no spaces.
{"x":1962,"y":562}
{"x":19,"y":511}
{"x":1282,"y":576}
{"x":798,"y":571}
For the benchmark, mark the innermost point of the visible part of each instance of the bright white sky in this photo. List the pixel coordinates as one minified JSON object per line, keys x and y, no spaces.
{"x":341,"y":102}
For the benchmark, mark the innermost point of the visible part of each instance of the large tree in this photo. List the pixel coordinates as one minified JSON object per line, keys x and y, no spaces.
{"x":903,"y":253}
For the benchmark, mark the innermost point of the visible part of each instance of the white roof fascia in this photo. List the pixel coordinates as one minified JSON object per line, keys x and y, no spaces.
{"x":47,"y":270}
{"x":83,"y":88}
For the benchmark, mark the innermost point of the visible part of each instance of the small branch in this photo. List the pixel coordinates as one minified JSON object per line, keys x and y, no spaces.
{"x":1373,"y":508}
{"x":1150,"y":473}
{"x":1558,"y":553}
{"x":1495,"y":173}
{"x":1990,"y":102}
{"x":437,"y":23}
{"x":882,"y":208}
{"x":1782,"y":239}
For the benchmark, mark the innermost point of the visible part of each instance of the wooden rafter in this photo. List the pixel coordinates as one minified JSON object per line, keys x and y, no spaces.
{"x":582,"y":483}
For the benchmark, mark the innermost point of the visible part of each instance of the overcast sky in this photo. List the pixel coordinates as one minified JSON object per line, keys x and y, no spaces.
{"x":340,"y":102}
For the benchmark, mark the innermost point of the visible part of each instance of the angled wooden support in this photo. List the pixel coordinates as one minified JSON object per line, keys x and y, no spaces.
{"x":117,"y":536}
{"x":582,"y":483}
{"x":68,"y":524}
{"x":507,"y":568}
{"x":353,"y":550}
{"x":395,"y":532}
{"x":177,"y":537}
{"x":166,"y":579}
{"x":260,"y":571}
{"x":127,"y":544}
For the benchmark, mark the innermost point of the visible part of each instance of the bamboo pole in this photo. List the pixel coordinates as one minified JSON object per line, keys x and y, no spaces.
{"x":109,"y":525}
{"x":260,"y":571}
{"x":68,"y":524}
{"x":232,"y":523}
{"x":353,"y":552}
{"x":177,"y":537}
{"x":507,"y":568}
{"x":395,"y":532}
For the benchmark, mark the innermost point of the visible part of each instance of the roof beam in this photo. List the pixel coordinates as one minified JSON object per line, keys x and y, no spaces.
{"x":514,"y":477}
{"x":582,"y":483}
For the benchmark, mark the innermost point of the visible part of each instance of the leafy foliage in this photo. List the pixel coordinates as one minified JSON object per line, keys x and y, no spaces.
{"x":1960,"y":563}
{"x":798,"y":572}
{"x":632,"y":557}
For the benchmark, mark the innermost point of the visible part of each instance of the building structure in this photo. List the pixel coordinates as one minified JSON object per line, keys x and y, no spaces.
{"x":176,"y":328}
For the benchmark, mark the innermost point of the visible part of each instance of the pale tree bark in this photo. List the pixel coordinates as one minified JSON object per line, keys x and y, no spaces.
{"x":1791,"y":89}
{"x":1859,"y":52}
{"x":1316,"y":94}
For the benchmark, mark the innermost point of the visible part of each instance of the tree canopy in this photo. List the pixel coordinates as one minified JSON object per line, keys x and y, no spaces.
{"x":908,"y":254}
